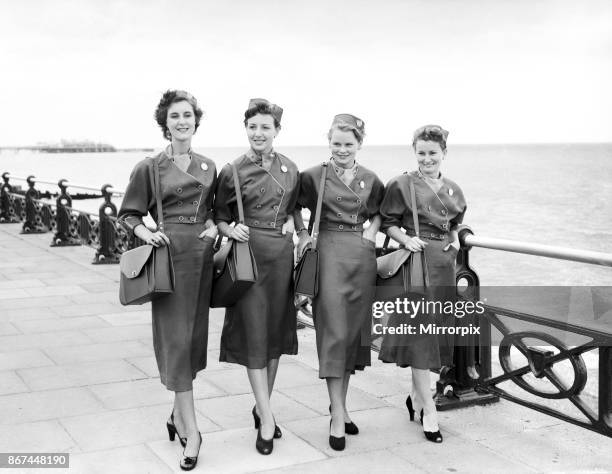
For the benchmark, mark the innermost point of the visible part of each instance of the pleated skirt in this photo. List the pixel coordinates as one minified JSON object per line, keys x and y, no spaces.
{"x":343,"y":305}
{"x":180,"y":319}
{"x":261,"y":326}
{"x":421,"y":350}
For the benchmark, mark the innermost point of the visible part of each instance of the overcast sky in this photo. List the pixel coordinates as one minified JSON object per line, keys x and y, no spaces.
{"x":490,"y":71}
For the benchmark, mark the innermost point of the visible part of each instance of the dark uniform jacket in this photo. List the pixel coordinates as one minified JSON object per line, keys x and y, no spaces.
{"x":438,"y":213}
{"x":187,"y":197}
{"x":268,"y":197}
{"x":345,"y":208}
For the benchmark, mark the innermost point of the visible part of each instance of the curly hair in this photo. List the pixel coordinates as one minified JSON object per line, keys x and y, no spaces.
{"x":431,"y":133}
{"x":347,"y":127}
{"x":263,"y":109}
{"x":172,"y":96}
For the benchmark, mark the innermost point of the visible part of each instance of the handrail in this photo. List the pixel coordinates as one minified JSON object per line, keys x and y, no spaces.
{"x":541,"y":250}
{"x":66,"y":183}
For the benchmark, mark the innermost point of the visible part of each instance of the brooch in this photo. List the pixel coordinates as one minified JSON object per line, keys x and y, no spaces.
{"x":204,"y":166}
{"x":283,"y":168}
{"x":361,"y":184}
{"x":450,"y":191}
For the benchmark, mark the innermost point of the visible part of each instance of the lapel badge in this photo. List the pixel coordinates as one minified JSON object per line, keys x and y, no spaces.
{"x":450,"y":191}
{"x":283,"y":168}
{"x":204,"y":166}
{"x":361,"y":184}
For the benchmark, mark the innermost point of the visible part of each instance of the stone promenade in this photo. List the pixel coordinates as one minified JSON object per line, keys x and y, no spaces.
{"x":78,"y":375}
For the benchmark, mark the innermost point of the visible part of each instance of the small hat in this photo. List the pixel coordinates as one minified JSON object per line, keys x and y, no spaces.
{"x":431,"y":129}
{"x":275,"y":110}
{"x":353,"y":122}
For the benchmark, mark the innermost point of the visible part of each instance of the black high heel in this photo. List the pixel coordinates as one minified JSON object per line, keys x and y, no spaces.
{"x":172,"y":431}
{"x":434,"y":436}
{"x":188,"y":462}
{"x":264,"y":446}
{"x":277,"y":431}
{"x":336,"y":443}
{"x":349,"y":428}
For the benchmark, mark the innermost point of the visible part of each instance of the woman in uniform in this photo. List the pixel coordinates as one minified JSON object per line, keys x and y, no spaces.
{"x":262,"y":324}
{"x":441,"y":207}
{"x":347,"y":264}
{"x":180,"y":319}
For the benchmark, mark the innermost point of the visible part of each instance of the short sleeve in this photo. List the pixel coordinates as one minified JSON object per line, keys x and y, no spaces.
{"x":375,"y":198}
{"x":393,"y":205}
{"x":225,"y":208}
{"x":138,"y":198}
{"x":307,"y":196}
{"x":458,"y":219}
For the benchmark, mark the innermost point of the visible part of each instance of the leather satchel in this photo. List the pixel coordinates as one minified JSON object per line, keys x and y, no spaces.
{"x":306,"y":274}
{"x":147,"y":272}
{"x":402,"y":271}
{"x":235,"y":268}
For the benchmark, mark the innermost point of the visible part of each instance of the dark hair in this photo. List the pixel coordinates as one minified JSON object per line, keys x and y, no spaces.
{"x":263,"y":109}
{"x":172,"y":96}
{"x":431,"y":133}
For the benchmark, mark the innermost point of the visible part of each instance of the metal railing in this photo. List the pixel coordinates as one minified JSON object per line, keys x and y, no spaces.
{"x":469,"y":381}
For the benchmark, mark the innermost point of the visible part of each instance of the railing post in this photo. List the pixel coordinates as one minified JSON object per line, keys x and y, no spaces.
{"x":63,"y":216}
{"x":33,"y":221}
{"x":472,"y":353}
{"x":107,"y":251}
{"x":6,"y":215}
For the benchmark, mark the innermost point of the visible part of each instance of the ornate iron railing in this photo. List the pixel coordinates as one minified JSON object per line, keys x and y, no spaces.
{"x":469,"y":381}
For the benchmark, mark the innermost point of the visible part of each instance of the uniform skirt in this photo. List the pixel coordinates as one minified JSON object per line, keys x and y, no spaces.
{"x":343,"y":306}
{"x":180,"y":319}
{"x":262,"y":324}
{"x":422,"y":350}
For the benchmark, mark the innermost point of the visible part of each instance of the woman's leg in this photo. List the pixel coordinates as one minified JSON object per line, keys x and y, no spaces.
{"x":336,"y":397}
{"x":345,"y":384}
{"x":272,"y":369}
{"x":422,"y":390}
{"x":185,"y":420}
{"x":259,"y":384}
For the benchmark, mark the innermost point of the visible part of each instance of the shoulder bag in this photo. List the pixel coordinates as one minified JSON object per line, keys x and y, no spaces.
{"x":306,"y":274}
{"x":147,"y":271}
{"x":402,"y":271}
{"x":235,"y":269}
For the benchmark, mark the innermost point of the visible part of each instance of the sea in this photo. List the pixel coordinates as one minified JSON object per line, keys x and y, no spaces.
{"x":557,"y":194}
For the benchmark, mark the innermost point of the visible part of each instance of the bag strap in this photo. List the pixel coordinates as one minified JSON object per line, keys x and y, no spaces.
{"x":315,"y":228}
{"x":413,"y":204}
{"x":155,"y":186}
{"x":238,"y":194}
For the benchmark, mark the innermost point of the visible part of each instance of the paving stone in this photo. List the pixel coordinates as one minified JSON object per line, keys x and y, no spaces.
{"x":93,"y":352}
{"x":129,"y":460}
{"x":10,"y":382}
{"x":55,"y":290}
{"x":381,"y":428}
{"x":119,"y":333}
{"x":17,"y":276}
{"x":316,"y":398}
{"x":146,"y":364}
{"x":11,"y":293}
{"x":103,"y":297}
{"x":42,"y":340}
{"x":212,"y":361}
{"x":16,"y":302}
{"x":204,"y":386}
{"x":77,"y":375}
{"x":91,"y":309}
{"x":81,"y":279}
{"x":23,"y":359}
{"x":37,"y":437}
{"x":294,"y":375}
{"x":54,"y":325}
{"x":375,"y":462}
{"x":125,"y":427}
{"x":235,"y":411}
{"x":26,"y":314}
{"x":232,"y":381}
{"x":128,"y":319}
{"x":233,"y":451}
{"x":7,"y":329}
{"x":20,"y":284}
{"x":47,"y":405}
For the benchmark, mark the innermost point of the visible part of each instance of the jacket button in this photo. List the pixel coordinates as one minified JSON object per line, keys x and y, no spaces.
{"x":338,"y":198}
{"x":195,"y":203}
{"x":272,"y":224}
{"x":192,"y":219}
{"x":258,"y":206}
{"x":200,"y":186}
{"x":354,"y":227}
{"x":179,"y":204}
{"x":262,"y":190}
{"x":443,"y":211}
{"x":181,"y":218}
{"x":340,"y":227}
{"x":358,"y":201}
{"x":256,"y":222}
{"x":280,"y":191}
{"x":339,"y":214}
{"x":179,"y":190}
{"x":275,"y":207}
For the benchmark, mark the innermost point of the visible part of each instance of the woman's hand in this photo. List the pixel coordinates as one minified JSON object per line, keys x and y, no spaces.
{"x":455,"y":244}
{"x":211,"y":232}
{"x":157,"y":239}
{"x":414,"y":244}
{"x":304,"y":241}
{"x":288,"y":226}
{"x":240,"y":233}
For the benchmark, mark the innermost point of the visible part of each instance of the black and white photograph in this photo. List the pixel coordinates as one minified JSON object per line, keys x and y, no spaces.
{"x":306,"y":236}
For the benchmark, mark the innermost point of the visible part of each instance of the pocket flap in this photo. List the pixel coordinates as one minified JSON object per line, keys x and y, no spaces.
{"x":133,"y":261}
{"x":388,"y":265}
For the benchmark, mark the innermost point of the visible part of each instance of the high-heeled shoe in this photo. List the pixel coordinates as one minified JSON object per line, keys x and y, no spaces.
{"x":172,"y":431}
{"x":189,"y":462}
{"x":277,"y":431}
{"x":335,"y":442}
{"x":264,"y":446}
{"x":433,"y":436}
{"x":349,"y":428}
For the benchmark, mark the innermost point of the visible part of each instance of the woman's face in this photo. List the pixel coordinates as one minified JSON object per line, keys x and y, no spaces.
{"x":429,"y":155}
{"x":344,"y":147}
{"x":181,"y":121}
{"x":261,"y":132}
